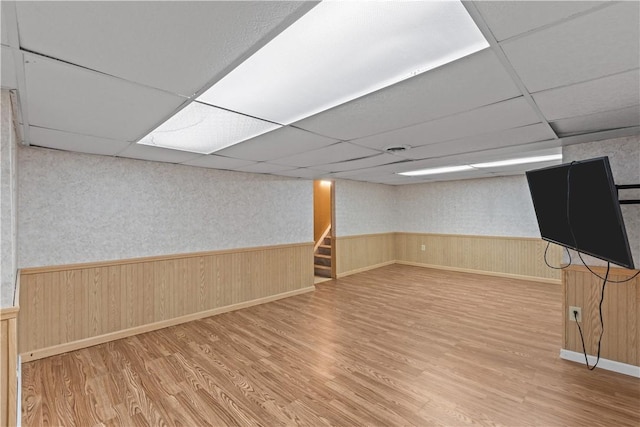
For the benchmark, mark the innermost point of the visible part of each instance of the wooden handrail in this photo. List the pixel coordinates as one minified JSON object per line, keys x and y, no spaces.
{"x":315,"y":248}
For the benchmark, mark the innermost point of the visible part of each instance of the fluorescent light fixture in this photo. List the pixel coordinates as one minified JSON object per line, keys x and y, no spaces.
{"x":435,"y":171}
{"x":520,"y":161}
{"x":342,"y":50}
{"x":201,"y":128}
{"x":497,"y":164}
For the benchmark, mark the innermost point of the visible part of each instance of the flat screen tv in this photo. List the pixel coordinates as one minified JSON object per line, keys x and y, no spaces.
{"x":577,"y":206}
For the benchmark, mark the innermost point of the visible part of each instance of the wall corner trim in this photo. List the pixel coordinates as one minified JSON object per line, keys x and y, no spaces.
{"x":606,"y":364}
{"x":9,"y":386}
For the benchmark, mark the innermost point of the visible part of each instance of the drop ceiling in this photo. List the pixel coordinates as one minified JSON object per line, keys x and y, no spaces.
{"x":96,"y":77}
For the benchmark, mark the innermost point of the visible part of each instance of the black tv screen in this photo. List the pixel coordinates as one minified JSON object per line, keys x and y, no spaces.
{"x":577,"y":206}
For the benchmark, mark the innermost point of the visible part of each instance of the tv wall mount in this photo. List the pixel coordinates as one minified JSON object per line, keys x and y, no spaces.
{"x":628,"y":187}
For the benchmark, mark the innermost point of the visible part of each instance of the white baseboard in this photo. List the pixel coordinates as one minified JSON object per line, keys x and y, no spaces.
{"x":606,"y":364}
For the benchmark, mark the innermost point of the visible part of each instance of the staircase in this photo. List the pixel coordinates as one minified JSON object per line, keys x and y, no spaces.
{"x":322,"y":256}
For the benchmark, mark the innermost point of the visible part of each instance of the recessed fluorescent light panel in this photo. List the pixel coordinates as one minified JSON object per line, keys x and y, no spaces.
{"x":520,"y":161}
{"x":201,"y":128}
{"x":342,"y":50}
{"x":497,"y":164}
{"x":435,"y":171}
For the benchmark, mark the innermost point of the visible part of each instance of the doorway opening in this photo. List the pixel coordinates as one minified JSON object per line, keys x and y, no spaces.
{"x":324,"y":253}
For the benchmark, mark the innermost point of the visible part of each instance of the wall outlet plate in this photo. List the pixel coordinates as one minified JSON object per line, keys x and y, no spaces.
{"x":423,"y":247}
{"x":572,"y":317}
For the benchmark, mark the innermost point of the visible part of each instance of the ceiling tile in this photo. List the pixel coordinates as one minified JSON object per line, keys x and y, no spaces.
{"x":595,"y":96}
{"x":59,"y":140}
{"x":622,"y":118}
{"x":375,"y":160}
{"x":68,"y":98}
{"x":175,"y":46}
{"x":516,"y":136}
{"x":504,"y":115}
{"x":281,"y":142}
{"x":217,"y":162}
{"x":157,"y":154}
{"x":385,"y":170}
{"x":467,"y":83}
{"x":8,"y":69}
{"x":604,"y":42}
{"x":396,"y":180}
{"x":361,"y":174}
{"x":5,"y":14}
{"x":264,"y":167}
{"x":509,"y":18}
{"x":339,"y":152}
{"x":304,"y":173}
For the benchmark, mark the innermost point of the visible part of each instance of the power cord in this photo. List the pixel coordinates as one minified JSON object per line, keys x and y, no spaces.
{"x":575,"y":316}
{"x":562,"y":267}
{"x":605,"y":279}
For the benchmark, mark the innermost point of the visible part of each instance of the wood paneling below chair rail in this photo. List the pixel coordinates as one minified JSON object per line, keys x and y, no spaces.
{"x":620,"y":312}
{"x":363,"y":252}
{"x":67,"y":307}
{"x":518,"y":257}
{"x":8,"y":366}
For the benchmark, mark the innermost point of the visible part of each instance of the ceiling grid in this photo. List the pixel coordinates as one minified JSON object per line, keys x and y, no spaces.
{"x":108,"y":73}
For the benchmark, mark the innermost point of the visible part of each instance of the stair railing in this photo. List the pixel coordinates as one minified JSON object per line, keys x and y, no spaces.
{"x":319,"y":242}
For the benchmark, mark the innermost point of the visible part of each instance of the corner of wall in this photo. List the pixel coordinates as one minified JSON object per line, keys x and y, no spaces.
{"x":8,"y":202}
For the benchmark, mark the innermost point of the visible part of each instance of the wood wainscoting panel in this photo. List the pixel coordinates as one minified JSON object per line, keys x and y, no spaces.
{"x":8,"y":366}
{"x":518,"y":257}
{"x":363,"y":252}
{"x":620,"y":312}
{"x":76,"y":303}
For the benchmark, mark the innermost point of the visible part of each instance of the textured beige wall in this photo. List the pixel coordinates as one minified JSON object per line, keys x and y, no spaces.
{"x":498,"y":206}
{"x":7,"y":203}
{"x":81,"y":208}
{"x":364,"y":208}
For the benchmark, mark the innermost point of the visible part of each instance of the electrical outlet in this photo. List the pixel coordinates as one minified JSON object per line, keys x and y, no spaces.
{"x":574,"y":317}
{"x":423,"y":247}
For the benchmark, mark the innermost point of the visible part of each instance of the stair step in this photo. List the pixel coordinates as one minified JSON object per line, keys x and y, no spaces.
{"x":320,"y":259}
{"x":322,"y":270}
{"x":323,"y":250}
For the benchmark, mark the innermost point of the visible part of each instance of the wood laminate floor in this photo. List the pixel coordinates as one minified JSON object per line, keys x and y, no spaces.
{"x":394,"y":346}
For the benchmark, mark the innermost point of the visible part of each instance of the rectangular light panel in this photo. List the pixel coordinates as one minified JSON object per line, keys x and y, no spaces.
{"x":435,"y":171}
{"x":342,"y":50}
{"x":496,"y":164}
{"x":201,"y":128}
{"x":520,"y":161}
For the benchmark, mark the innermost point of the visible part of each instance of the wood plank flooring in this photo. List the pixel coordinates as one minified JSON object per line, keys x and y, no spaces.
{"x":394,"y":346}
